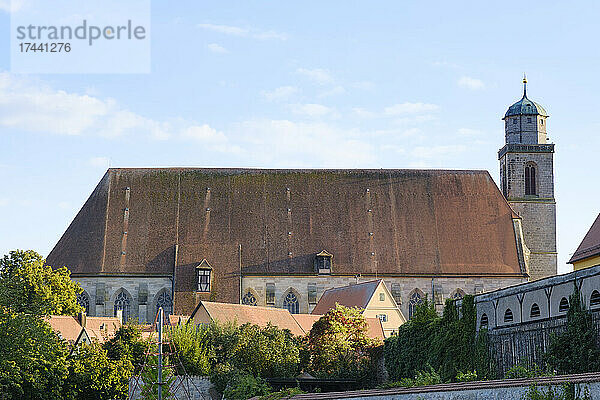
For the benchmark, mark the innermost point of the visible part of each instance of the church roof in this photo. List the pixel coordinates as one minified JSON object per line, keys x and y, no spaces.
{"x":525,"y":106}
{"x":386,"y":222}
{"x":590,"y":245}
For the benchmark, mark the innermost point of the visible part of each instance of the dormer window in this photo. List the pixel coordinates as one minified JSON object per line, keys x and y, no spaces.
{"x":323,"y":262}
{"x":203,"y":275}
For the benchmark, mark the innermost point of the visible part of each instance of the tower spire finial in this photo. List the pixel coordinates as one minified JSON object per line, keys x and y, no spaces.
{"x":524,"y":85}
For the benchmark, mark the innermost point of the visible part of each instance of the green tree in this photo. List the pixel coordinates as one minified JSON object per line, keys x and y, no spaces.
{"x":339,"y":345}
{"x":149,"y":379}
{"x":93,"y":376}
{"x":29,"y":286}
{"x":576,"y":349}
{"x":128,"y":344}
{"x":33,"y":360}
{"x":193,"y":346}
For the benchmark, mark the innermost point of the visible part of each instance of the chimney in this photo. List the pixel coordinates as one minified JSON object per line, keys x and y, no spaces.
{"x":82,"y":319}
{"x":120,"y":316}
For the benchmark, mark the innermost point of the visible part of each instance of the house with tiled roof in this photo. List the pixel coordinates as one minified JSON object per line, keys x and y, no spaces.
{"x":83,"y":329}
{"x":373,"y":298}
{"x":588,"y":252}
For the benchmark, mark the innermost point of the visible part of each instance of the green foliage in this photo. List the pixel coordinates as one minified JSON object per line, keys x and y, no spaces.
{"x":93,"y":376}
{"x":339,"y":346}
{"x":29,"y":286}
{"x":128,"y":344}
{"x":448,"y":343}
{"x":149,"y":379}
{"x":193,"y":346}
{"x":575,"y":350}
{"x":520,"y":370}
{"x":244,"y":385}
{"x":566,"y":392}
{"x":422,"y":378}
{"x":469,"y":376}
{"x":283,"y":394}
{"x":33,"y":360}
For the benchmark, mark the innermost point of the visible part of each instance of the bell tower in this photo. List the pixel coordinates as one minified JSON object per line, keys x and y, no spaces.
{"x":527,"y":180}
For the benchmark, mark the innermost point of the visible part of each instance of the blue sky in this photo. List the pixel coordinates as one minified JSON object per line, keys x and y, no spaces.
{"x":349,"y":84}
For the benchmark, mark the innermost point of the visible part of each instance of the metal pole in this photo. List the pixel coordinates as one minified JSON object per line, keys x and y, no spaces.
{"x":160,"y":340}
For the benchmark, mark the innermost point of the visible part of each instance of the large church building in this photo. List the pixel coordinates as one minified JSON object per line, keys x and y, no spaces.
{"x":170,"y":237}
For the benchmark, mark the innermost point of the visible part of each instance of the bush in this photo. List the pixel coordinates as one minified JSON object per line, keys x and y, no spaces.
{"x":193,"y":347}
{"x":243,"y":385}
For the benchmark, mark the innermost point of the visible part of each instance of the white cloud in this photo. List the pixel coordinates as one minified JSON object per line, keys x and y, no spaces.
{"x":298,"y":144}
{"x":468,"y":132}
{"x":311,"y":110}
{"x":226,"y":29}
{"x":410,"y":108}
{"x":363,"y":113}
{"x":471,"y":83}
{"x":10,"y":6}
{"x":204,"y":133}
{"x":244,"y":32}
{"x":99,"y":162}
{"x":437,"y":151}
{"x":335,"y":91}
{"x":216,"y":48}
{"x":33,"y":106}
{"x":317,"y":75}
{"x":280,"y":93}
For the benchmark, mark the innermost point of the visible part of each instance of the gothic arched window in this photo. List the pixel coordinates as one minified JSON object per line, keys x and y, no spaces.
{"x":416,"y":298}
{"x":530,"y":180}
{"x":84,"y":301}
{"x":458,"y":294}
{"x":291,"y":303}
{"x":249,"y":299}
{"x":123,"y":302}
{"x":164,"y":300}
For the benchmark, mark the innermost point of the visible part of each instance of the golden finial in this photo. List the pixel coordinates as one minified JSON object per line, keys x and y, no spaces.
{"x":524,"y":85}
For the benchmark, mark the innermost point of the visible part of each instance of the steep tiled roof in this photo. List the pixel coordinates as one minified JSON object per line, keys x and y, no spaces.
{"x":394,"y":222}
{"x":306,"y":321}
{"x":65,"y":326}
{"x":255,"y":315}
{"x":590,"y":245}
{"x":98,"y":328}
{"x":350,"y":296}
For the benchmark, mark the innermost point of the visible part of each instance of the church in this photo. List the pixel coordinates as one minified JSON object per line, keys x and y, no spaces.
{"x":170,"y":237}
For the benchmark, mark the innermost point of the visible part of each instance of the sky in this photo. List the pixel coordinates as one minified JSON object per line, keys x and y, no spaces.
{"x":306,"y":84}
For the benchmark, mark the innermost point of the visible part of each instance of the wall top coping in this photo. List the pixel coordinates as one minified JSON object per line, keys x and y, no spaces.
{"x":539,"y":284}
{"x":447,"y":387}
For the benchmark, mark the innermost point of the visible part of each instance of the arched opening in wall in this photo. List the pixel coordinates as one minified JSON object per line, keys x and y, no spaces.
{"x":458,"y":294}
{"x":164,"y":300}
{"x":563,"y":306}
{"x":535,"y":311}
{"x":290,"y":302}
{"x":595,"y":299}
{"x":484,"y":321}
{"x":530,"y":179}
{"x":84,"y":301}
{"x":249,"y":299}
{"x":508,"y":315}
{"x":416,"y":297}
{"x":123,"y":303}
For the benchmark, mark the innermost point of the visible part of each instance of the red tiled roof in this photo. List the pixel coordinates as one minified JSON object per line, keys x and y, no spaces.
{"x":349,"y":296}
{"x":590,"y":245}
{"x":255,"y":315}
{"x":306,"y":321}
{"x":65,"y":326}
{"x":374,"y":222}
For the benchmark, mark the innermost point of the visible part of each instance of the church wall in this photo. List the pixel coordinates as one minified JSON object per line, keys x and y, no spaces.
{"x":137,"y":287}
{"x":400,"y":287}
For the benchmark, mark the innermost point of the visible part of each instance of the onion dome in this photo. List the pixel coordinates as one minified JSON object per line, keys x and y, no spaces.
{"x":525,"y":106}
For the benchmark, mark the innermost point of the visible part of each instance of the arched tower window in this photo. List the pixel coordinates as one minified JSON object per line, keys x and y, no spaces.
{"x":249,"y":299}
{"x":416,"y":298}
{"x":508,"y":315}
{"x":458,"y":294}
{"x":595,"y":298}
{"x":530,"y":180}
{"x":484,"y":321}
{"x":535,"y":311}
{"x":164,"y":300}
{"x":84,"y":301}
{"x":563,"y":306}
{"x":290,"y":302}
{"x":123,"y":302}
